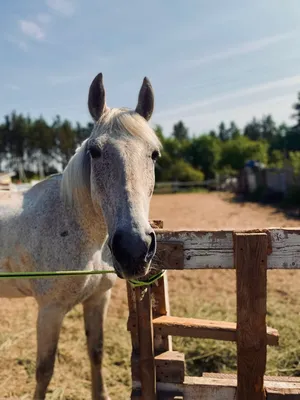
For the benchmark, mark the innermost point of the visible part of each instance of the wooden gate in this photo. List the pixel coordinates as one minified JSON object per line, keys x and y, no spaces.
{"x":158,"y":372}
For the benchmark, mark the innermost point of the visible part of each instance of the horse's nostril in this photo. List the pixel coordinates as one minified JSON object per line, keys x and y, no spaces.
{"x":152,"y":247}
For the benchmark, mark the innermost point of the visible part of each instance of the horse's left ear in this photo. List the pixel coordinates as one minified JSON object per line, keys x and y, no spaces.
{"x":96,"y":101}
{"x":146,"y":100}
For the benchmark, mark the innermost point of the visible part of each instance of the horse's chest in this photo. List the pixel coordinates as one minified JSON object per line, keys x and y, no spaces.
{"x":96,"y":283}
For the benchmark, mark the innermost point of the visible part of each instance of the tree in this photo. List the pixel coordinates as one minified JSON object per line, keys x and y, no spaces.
{"x":223,"y":132}
{"x":16,"y":130}
{"x":42,"y":145}
{"x":296,"y":108}
{"x":294,"y":157}
{"x":180,"y":132}
{"x":236,"y":152}
{"x":204,"y":153}
{"x":268,"y":128}
{"x":159,"y":133}
{"x":276,"y":159}
{"x":65,"y":140}
{"x":253,"y":130}
{"x":233,"y":131}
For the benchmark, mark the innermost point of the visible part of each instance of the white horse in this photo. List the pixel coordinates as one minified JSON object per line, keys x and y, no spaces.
{"x":93,"y":216}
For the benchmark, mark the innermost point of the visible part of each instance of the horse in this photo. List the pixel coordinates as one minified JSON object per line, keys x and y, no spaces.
{"x":92,"y":216}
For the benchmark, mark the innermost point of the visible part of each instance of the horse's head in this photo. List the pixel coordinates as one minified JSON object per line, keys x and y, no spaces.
{"x":120,"y":157}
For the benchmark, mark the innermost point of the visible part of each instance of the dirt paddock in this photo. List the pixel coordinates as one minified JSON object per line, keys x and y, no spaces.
{"x":206,"y":294}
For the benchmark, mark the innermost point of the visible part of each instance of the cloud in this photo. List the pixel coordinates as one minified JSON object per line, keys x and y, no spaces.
{"x":64,"y":7}
{"x":278,"y":84}
{"x":32,"y":29}
{"x":245,"y":48}
{"x":43,"y":18}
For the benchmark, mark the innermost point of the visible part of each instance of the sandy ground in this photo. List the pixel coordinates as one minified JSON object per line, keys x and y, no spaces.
{"x":208,"y":288}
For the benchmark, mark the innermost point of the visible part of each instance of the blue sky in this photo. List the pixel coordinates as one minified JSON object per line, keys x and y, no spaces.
{"x":208,"y":60}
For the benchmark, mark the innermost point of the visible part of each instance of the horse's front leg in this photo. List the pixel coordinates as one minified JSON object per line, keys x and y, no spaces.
{"x":94,"y":314}
{"x":49,"y":322}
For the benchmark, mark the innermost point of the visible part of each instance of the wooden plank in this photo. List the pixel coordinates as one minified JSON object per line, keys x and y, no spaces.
{"x":201,"y":249}
{"x":132,"y":327}
{"x":132,"y":323}
{"x":267,"y":378}
{"x":201,"y":388}
{"x":214,"y":249}
{"x":205,"y":329}
{"x":251,"y":252}
{"x":146,"y":346}
{"x":161,"y":307}
{"x":169,"y":255}
{"x":170,"y":367}
{"x":285,"y":249}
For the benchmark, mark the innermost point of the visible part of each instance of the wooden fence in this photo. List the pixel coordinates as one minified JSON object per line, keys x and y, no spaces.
{"x":221,"y":182}
{"x":158,"y":372}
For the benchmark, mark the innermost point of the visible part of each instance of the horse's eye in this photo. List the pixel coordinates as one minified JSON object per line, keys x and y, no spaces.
{"x":95,"y":152}
{"x":155,"y":155}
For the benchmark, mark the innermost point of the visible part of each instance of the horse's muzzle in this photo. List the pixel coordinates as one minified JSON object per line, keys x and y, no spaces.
{"x":132,"y":253}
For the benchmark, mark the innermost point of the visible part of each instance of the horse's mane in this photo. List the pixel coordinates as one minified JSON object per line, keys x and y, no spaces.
{"x":118,"y":122}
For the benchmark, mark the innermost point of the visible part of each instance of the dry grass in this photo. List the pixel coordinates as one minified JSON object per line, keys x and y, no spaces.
{"x":205,"y":294}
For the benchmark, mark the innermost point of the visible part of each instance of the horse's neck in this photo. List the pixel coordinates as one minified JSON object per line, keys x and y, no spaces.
{"x":92,"y":222}
{"x":47,"y":196}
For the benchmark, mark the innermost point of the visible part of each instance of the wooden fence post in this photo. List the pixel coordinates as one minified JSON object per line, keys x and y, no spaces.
{"x":250,"y":258}
{"x":161,"y":307}
{"x":146,"y":343}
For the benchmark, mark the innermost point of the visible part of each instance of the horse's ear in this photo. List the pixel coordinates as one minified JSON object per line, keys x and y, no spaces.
{"x":146,"y":100}
{"x":96,"y":101}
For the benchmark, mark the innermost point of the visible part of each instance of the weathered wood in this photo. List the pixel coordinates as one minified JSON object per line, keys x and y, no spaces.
{"x":170,"y":367}
{"x":214,"y":249}
{"x":146,"y":346}
{"x":161,"y":307}
{"x":132,"y":323}
{"x":132,"y":327}
{"x":205,"y":329}
{"x":267,"y":378}
{"x":201,"y":388}
{"x":277,"y":387}
{"x":251,"y":252}
{"x":170,"y":255}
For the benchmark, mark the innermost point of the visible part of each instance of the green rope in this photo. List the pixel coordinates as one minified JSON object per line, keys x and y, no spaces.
{"x":53,"y":274}
{"x":49,"y":274}
{"x":152,"y":279}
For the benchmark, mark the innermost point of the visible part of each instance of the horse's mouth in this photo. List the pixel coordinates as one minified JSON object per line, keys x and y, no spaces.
{"x":135,"y":272}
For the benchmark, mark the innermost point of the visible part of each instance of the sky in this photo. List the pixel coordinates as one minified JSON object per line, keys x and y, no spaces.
{"x":208,"y":60}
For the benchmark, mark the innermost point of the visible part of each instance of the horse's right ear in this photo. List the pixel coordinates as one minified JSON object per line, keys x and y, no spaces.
{"x":96,"y":101}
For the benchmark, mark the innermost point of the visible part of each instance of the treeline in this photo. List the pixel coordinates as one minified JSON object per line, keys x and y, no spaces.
{"x":226,"y":150}
{"x":33,"y":147}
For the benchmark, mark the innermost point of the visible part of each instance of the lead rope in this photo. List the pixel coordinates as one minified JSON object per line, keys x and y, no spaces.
{"x":53,"y":274}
